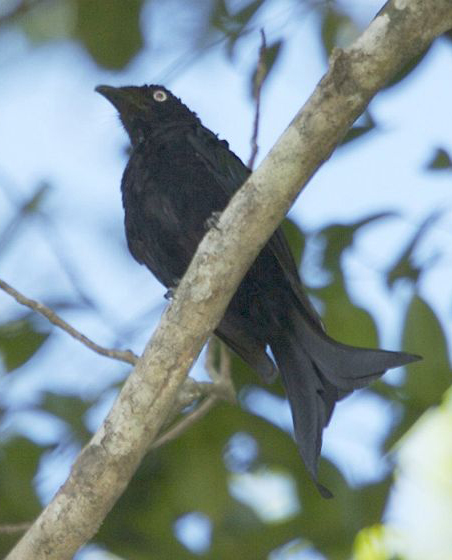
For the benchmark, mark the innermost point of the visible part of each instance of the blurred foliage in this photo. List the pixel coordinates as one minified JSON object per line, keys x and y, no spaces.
{"x":406,"y":267}
{"x":423,"y":458}
{"x":296,"y":238}
{"x":110,"y":30}
{"x":406,"y":70}
{"x":370,"y":544}
{"x":20,"y":339}
{"x":194,"y":473}
{"x":428,"y":379}
{"x":441,"y":160}
{"x":337,"y":29}
{"x":71,"y":410}
{"x":19,"y":460}
{"x":24,"y":210}
{"x":366,"y":124}
{"x":268,"y":57}
{"x":233,"y":24}
{"x":344,"y":321}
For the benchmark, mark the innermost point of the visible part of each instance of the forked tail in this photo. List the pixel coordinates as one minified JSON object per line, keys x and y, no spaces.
{"x":316,"y":372}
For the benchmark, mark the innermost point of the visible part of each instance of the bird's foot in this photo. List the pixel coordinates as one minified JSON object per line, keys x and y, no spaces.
{"x":170,"y":292}
{"x":212,"y":220}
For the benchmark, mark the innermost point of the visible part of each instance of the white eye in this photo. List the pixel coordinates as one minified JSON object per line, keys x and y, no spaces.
{"x":159,"y":95}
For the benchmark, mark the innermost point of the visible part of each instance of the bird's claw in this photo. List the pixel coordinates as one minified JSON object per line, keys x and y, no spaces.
{"x":212,"y":220}
{"x":170,"y":292}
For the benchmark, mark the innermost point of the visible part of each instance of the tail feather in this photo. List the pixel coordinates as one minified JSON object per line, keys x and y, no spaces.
{"x":317,"y":372}
{"x":312,"y":398}
{"x":346,"y":367}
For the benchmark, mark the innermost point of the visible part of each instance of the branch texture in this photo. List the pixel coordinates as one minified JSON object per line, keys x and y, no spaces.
{"x":102,"y":471}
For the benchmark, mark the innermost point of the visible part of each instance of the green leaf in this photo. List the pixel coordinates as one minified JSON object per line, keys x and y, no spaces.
{"x":71,"y":410}
{"x":296,"y":238}
{"x":440,"y":160}
{"x":405,"y":266}
{"x":243,"y":17}
{"x":110,"y":31}
{"x":48,"y":20}
{"x":34,"y":203}
{"x":338,"y":29}
{"x":233,"y":25}
{"x":426,"y":380}
{"x":367,"y":124}
{"x":30,"y":205}
{"x":344,"y":320}
{"x":265,"y":66}
{"x":375,"y":543}
{"x":407,"y":69}
{"x":342,"y":517}
{"x":19,"y":459}
{"x":19,"y":340}
{"x":339,"y":237}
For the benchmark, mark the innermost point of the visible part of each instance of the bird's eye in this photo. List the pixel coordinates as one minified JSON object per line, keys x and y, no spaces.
{"x":159,"y":95}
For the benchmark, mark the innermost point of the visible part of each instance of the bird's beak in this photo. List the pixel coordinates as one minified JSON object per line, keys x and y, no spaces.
{"x":122,"y":98}
{"x":111,"y":93}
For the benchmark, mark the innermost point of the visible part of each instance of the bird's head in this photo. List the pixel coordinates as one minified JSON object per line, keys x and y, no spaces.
{"x":144,"y":109}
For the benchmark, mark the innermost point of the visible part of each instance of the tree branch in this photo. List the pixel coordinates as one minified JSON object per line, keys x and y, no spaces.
{"x":186,"y":422}
{"x":103,"y":469}
{"x":123,"y":355}
{"x":12,"y":528}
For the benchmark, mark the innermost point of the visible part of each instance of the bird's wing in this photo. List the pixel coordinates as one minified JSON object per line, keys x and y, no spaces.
{"x":229,"y":170}
{"x":230,"y":173}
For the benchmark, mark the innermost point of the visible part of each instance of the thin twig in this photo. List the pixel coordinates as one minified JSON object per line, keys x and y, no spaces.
{"x":209,"y":363}
{"x":225,"y":363}
{"x":188,"y":421}
{"x":190,"y":392}
{"x":259,"y":77}
{"x":221,"y":375}
{"x":227,"y":383}
{"x":31,"y":207}
{"x":13,"y":528}
{"x":123,"y":355}
{"x":21,"y":9}
{"x":221,"y":388}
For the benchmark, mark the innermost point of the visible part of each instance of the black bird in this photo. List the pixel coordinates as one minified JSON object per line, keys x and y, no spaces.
{"x":179,"y":173}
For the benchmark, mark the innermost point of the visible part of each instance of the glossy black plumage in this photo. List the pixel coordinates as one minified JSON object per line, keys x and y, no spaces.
{"x":178,"y":174}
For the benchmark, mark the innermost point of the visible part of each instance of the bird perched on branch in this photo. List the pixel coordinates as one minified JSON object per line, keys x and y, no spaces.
{"x":179,"y":174}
